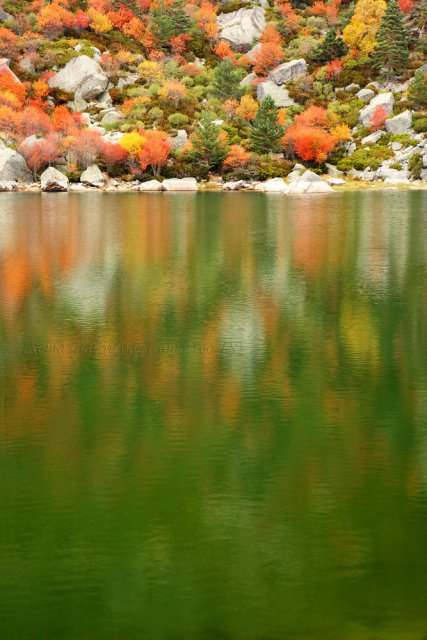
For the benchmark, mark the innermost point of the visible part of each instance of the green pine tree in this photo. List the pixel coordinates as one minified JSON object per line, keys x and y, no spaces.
{"x":180,"y":19}
{"x":391,"y":52}
{"x":332,"y":47}
{"x":226,"y":83}
{"x":265,"y":133}
{"x":209,"y":150}
{"x":417,"y":94}
{"x":169,"y":21}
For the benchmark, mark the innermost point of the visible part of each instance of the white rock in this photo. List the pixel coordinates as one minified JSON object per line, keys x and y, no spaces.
{"x":396,"y":146}
{"x":111,"y":118}
{"x":280,"y":95}
{"x":372,"y":138}
{"x":13,"y":167}
{"x":368,"y":175}
{"x":396,"y":181}
{"x":180,"y":184}
{"x":392,"y":175}
{"x":93,"y":176}
{"x":355,"y":174}
{"x":332,"y":170}
{"x":25,"y":64}
{"x":309,"y":182}
{"x":130,"y":78}
{"x":365,"y":94}
{"x":4,"y":68}
{"x":251,"y":53}
{"x":385,"y":100}
{"x":82,"y":76}
{"x":151,"y":185}
{"x":352,"y":88}
{"x":180,"y":140}
{"x":53,"y":180}
{"x":105,"y":99}
{"x":8,"y":186}
{"x":242,"y":27}
{"x":400,"y":123}
{"x":247,"y":80}
{"x":4,"y":16}
{"x":78,"y":187}
{"x":287,"y":71}
{"x":233,"y":185}
{"x":336,"y":182}
{"x":274,"y":185}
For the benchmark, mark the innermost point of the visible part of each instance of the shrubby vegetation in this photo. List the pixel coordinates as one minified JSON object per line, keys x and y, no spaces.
{"x":170,"y":71}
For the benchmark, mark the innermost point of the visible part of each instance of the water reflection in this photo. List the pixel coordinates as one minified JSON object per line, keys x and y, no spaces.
{"x":215,"y":413}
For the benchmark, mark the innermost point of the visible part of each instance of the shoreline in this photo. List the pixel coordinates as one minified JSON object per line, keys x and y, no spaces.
{"x":214,"y":187}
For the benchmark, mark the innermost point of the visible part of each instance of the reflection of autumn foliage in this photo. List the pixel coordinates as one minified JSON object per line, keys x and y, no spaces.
{"x":311,"y":292}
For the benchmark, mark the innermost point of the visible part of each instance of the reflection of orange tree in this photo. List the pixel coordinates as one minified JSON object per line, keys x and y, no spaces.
{"x":292,"y":281}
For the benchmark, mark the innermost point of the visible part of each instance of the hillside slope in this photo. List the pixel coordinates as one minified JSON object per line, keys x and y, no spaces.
{"x":242,"y":90}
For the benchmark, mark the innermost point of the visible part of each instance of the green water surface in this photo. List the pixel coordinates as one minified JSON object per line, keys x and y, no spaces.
{"x":214,"y":416}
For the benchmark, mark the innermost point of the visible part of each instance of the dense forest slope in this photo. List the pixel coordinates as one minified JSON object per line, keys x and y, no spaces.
{"x":233,"y":90}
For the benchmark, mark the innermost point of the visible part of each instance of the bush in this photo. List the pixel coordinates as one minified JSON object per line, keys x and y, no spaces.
{"x":420,"y":125}
{"x":178,"y":120}
{"x":269,"y":168}
{"x":371,"y":157}
{"x":416,"y":165}
{"x":404,"y":139}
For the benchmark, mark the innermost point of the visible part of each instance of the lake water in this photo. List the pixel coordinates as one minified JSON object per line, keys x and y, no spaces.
{"x":214,"y":416}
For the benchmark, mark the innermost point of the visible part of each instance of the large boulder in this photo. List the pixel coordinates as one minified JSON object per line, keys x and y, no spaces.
{"x":287,"y":71}
{"x":309,"y":182}
{"x":393,"y":175}
{"x":53,"y":180}
{"x":274,"y":185}
{"x":400,"y":123}
{"x":385,"y":100}
{"x":81,"y":76}
{"x":280,"y":95}
{"x":180,"y":184}
{"x":151,"y":185}
{"x":240,"y":28}
{"x":93,"y":176}
{"x":13,"y":167}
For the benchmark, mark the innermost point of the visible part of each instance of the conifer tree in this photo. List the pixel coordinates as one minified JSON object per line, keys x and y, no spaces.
{"x":417,"y":94}
{"x":226,"y":82}
{"x":265,"y":131}
{"x":169,"y":21}
{"x":391,"y":52}
{"x":208,"y":145}
{"x":332,"y":48}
